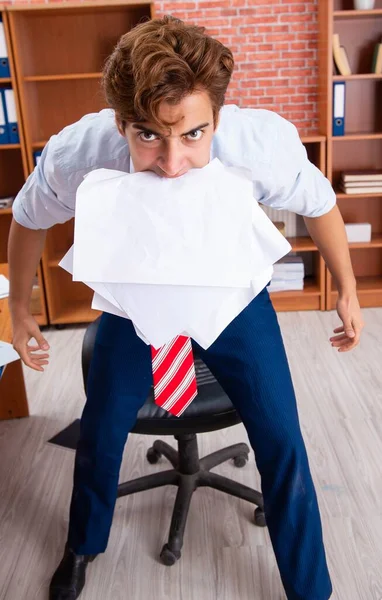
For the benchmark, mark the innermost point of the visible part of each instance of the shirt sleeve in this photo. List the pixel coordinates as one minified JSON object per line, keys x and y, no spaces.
{"x":45,"y":199}
{"x":292,"y":182}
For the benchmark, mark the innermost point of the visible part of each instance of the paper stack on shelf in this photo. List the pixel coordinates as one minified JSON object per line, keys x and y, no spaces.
{"x":361,"y":182}
{"x":288,"y":274}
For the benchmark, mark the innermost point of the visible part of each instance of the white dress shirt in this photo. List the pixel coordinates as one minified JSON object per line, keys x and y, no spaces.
{"x":256,"y":139}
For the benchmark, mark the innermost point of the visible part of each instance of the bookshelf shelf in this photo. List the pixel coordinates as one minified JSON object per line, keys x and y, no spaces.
{"x":5,"y":80}
{"x":356,"y":14}
{"x":10,"y":146}
{"x":357,"y":76}
{"x":72,"y":6}
{"x":311,"y":137}
{"x":302,"y":244}
{"x":67,"y":77}
{"x":350,"y":137}
{"x":342,"y":195}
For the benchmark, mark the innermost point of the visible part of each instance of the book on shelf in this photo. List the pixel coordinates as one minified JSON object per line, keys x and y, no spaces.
{"x":362,"y":176}
{"x":362,"y":189}
{"x":354,"y":184}
{"x":361,"y":182}
{"x":289,"y":263}
{"x":376,"y":65}
{"x":288,"y":275}
{"x":341,"y":61}
{"x":290,"y":286}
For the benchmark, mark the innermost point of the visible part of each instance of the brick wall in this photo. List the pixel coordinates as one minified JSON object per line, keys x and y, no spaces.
{"x":274,"y":43}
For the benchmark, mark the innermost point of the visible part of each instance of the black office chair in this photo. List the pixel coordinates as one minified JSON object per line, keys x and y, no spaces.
{"x":209,"y":411}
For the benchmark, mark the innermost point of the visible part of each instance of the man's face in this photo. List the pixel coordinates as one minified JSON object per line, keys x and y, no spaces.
{"x":188,"y":144}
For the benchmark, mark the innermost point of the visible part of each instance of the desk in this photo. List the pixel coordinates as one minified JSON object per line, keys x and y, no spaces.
{"x":13,"y":397}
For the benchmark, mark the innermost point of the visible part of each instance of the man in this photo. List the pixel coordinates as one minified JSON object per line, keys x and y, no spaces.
{"x":166,"y":83}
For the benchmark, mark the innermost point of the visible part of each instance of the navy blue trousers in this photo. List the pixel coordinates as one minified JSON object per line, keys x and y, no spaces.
{"x":249,"y":361}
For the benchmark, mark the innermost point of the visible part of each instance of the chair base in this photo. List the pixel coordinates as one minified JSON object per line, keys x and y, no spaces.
{"x":189,"y":473}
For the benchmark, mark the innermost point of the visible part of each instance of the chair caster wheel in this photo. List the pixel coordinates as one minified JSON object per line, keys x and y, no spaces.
{"x":153,"y":456}
{"x":169,"y":557}
{"x":260,"y":517}
{"x":240,"y":460}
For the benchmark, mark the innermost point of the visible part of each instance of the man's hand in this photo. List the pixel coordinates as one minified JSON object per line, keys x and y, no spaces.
{"x":349,"y":333}
{"x":25,"y":328}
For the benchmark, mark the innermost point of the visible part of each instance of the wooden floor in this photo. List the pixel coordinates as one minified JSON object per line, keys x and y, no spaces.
{"x":225,"y":556}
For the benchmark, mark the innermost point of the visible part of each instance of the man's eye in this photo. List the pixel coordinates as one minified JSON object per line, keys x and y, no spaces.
{"x":146,"y":136}
{"x":195,"y":135}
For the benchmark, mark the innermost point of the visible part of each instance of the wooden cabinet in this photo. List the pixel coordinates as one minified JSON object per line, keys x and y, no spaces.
{"x":13,"y":173}
{"x":361,"y":146}
{"x":59,"y":52}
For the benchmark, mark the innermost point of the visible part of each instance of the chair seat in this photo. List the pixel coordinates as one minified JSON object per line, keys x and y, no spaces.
{"x":209,"y":411}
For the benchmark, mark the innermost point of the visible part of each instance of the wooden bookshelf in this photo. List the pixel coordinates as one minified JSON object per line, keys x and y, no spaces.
{"x":312,"y":297}
{"x":65,"y":75}
{"x":361,"y":146}
{"x":13,"y":173}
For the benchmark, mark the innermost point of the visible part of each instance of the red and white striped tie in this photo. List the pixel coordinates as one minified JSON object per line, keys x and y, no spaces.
{"x":174,"y":375}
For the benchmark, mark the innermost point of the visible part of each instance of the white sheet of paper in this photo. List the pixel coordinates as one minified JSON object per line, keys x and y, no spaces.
{"x":159,"y":312}
{"x":99,"y":303}
{"x":162,"y":312}
{"x":102,"y":298}
{"x":7,"y":354}
{"x":192,"y":230}
{"x":4,"y":287}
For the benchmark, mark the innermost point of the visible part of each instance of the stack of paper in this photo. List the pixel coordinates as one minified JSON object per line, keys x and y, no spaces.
{"x":288,"y":274}
{"x":361,"y":182}
{"x":176,"y":256}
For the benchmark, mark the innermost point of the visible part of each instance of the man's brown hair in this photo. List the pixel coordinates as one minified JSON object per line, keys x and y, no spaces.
{"x":164,"y":60}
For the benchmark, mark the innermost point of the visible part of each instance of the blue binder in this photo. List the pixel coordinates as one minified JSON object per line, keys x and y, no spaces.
{"x":4,"y":62}
{"x":338,"y":108}
{"x":11,"y":116}
{"x":4,"y":133}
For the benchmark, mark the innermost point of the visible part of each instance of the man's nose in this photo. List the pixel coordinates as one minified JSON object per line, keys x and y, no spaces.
{"x":171,"y":160}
